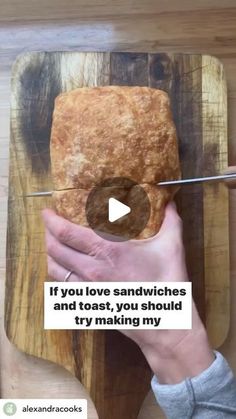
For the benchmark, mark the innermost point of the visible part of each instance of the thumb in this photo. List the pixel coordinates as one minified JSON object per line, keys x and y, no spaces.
{"x":171,"y":220}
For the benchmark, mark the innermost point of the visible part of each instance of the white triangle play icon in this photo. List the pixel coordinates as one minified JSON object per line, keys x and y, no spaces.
{"x":117,"y":210}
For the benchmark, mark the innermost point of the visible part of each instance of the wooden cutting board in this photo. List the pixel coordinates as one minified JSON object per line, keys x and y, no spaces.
{"x":108,"y":364}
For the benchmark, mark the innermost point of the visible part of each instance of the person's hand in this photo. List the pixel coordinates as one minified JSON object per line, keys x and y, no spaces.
{"x":231,"y":183}
{"x":71,"y":247}
{"x":171,"y":354}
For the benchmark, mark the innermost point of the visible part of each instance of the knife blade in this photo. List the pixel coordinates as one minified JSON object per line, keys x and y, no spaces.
{"x":183,"y":182}
{"x":217,"y":178}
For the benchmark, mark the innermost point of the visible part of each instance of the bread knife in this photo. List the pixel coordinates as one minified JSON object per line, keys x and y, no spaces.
{"x":180,"y":182}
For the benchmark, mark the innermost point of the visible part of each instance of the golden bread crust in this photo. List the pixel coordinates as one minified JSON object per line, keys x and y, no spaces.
{"x":113,"y":131}
{"x":71,"y":205}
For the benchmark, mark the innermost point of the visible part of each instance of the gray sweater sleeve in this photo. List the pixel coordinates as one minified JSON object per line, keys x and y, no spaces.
{"x":211,"y":395}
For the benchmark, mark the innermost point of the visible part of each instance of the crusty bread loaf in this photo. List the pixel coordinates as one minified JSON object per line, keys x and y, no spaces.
{"x":71,"y":205}
{"x":113,"y":131}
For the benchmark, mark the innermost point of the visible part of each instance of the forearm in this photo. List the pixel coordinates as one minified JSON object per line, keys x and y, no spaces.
{"x":191,"y":381}
{"x":179,"y":354}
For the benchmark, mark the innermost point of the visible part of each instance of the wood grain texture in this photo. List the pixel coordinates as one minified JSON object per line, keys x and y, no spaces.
{"x":215,"y":148}
{"x":201,"y":27}
{"x":58,"y":9}
{"x":182,"y":77}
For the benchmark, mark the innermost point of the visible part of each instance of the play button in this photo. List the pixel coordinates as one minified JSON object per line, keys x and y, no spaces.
{"x":118,"y":209}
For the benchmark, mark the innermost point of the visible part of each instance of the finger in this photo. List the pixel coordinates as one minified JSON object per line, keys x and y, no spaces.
{"x":171,"y":220}
{"x":58,"y":273}
{"x":69,"y":258}
{"x":73,"y":235}
{"x":231,"y":183}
